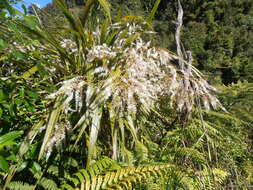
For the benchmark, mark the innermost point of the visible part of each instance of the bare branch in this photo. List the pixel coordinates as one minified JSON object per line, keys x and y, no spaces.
{"x":177,"y":34}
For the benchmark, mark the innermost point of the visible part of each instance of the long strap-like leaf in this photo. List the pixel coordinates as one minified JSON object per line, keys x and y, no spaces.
{"x":152,"y":13}
{"x":95,"y":125}
{"x":53,"y":118}
{"x":106,"y":6}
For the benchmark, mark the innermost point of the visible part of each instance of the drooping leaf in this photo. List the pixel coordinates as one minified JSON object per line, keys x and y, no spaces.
{"x":54,"y":116}
{"x":3,"y":164}
{"x":10,"y":136}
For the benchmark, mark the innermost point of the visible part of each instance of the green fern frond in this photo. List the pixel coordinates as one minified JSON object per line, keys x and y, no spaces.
{"x":127,"y":156}
{"x":48,"y":184}
{"x":194,"y":155}
{"x":93,"y":170}
{"x":122,"y":178}
{"x":154,"y":186}
{"x":20,"y":185}
{"x":141,"y":152}
{"x":212,"y":178}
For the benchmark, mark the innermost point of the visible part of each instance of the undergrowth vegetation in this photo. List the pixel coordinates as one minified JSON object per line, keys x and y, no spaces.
{"x":95,"y":104}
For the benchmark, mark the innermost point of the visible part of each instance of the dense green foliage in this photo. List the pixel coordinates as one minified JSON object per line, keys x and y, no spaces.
{"x":79,"y":108}
{"x":219,"y":33}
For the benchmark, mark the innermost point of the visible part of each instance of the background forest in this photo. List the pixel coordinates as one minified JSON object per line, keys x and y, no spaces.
{"x":101,"y":94}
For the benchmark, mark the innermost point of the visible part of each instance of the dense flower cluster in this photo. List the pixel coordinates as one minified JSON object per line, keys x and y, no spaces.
{"x":71,"y":89}
{"x":69,"y":45}
{"x":100,"y":52}
{"x":146,"y":74}
{"x":58,"y":137}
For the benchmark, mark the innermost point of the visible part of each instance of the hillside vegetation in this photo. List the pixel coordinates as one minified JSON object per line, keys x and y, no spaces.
{"x":134,"y":94}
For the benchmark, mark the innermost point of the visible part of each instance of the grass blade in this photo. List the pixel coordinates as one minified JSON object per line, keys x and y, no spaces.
{"x":153,"y":11}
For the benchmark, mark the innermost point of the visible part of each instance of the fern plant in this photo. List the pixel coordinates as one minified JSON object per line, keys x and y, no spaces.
{"x":120,"y":178}
{"x":19,"y":185}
